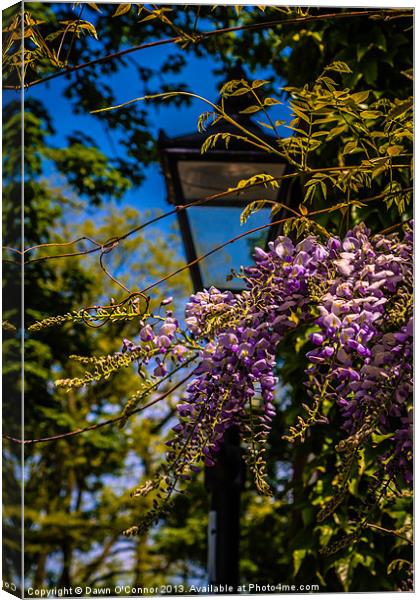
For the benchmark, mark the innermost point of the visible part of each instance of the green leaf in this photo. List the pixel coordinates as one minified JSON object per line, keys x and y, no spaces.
{"x":252,"y":207}
{"x":379,"y":171}
{"x":258,"y":83}
{"x":400,"y":109}
{"x":122,"y":9}
{"x":328,"y":82}
{"x":240,"y":92}
{"x":370,"y":71}
{"x":90,"y":28}
{"x":288,"y":226}
{"x":335,"y":131}
{"x":342,"y":568}
{"x":263,"y":178}
{"x":234,"y":87}
{"x":399,"y":564}
{"x":52,"y":36}
{"x":275,"y":209}
{"x":377,"y":439}
{"x":360,"y":97}
{"x":309,"y":194}
{"x":298,"y":556}
{"x":207,"y":119}
{"x":370,"y":114}
{"x":380,"y":40}
{"x":339,"y":66}
{"x":297,"y":111}
{"x":211,"y":141}
{"x":361,"y":50}
{"x":330,"y":119}
{"x":394,"y":150}
{"x":250,"y":110}
{"x":77,"y":26}
{"x":271,"y":101}
{"x":409,"y":74}
{"x":148,"y":18}
{"x":265,"y":125}
{"x":349,"y":147}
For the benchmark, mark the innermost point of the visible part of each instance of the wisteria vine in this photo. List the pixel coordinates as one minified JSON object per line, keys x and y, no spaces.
{"x":351,"y":299}
{"x":354,"y":296}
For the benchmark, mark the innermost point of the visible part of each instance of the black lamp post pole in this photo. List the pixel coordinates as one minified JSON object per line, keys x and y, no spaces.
{"x":225,"y":481}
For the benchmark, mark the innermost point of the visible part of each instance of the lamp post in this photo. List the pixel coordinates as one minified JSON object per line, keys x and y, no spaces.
{"x":190,"y":176}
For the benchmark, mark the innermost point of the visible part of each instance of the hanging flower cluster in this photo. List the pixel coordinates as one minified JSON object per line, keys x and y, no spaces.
{"x":357,"y":291}
{"x":355,"y":295}
{"x":161,"y":341}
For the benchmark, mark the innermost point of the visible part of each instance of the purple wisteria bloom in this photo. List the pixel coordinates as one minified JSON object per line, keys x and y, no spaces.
{"x":346,"y":292}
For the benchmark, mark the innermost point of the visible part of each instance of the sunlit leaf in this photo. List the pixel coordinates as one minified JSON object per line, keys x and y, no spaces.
{"x":339,"y":66}
{"x":271,"y":101}
{"x":251,"y":208}
{"x":350,"y":147}
{"x":122,"y":9}
{"x":360,"y":97}
{"x":265,"y":125}
{"x":370,"y":114}
{"x":251,"y":109}
{"x":259,"y":83}
{"x":394,"y":150}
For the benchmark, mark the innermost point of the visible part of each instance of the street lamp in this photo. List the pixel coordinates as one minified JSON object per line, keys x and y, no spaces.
{"x":191,"y":176}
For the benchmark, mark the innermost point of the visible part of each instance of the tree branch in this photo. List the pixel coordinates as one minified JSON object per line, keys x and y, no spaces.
{"x":112,"y":242}
{"x":60,"y":436}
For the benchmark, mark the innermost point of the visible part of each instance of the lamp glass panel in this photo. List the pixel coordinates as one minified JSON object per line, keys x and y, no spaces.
{"x":203,"y":178}
{"x":211,"y":226}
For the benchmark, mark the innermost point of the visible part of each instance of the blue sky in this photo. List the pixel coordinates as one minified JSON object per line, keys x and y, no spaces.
{"x":125,"y":85}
